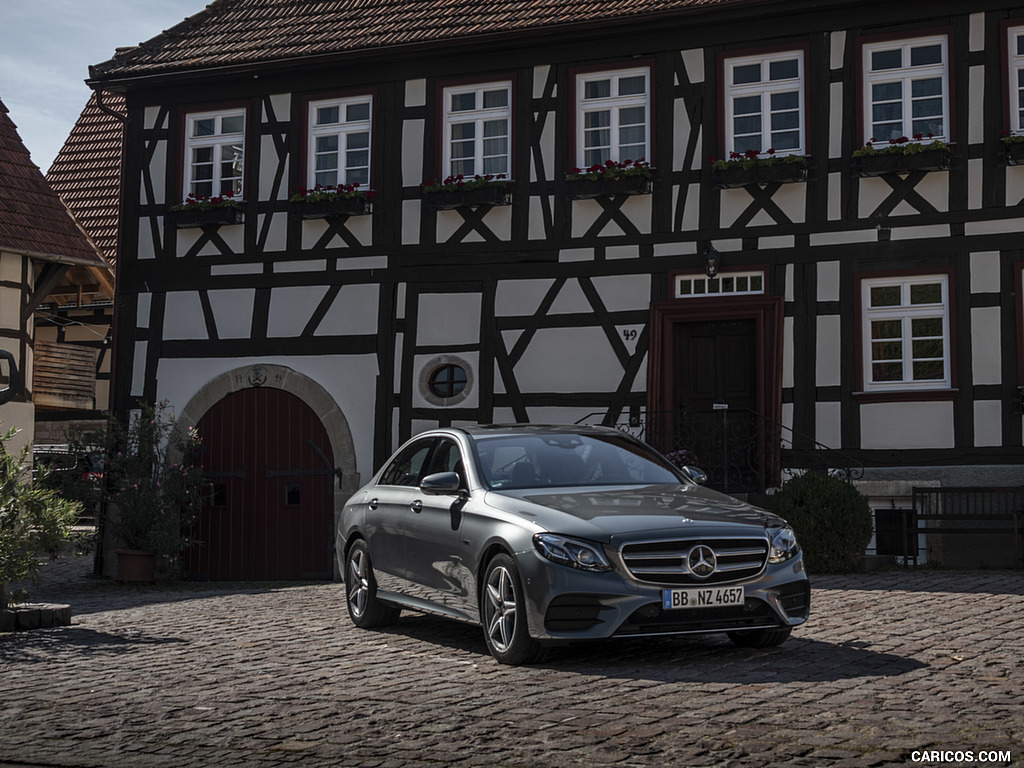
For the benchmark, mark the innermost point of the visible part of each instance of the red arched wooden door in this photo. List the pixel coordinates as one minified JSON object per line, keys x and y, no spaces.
{"x":271,"y":511}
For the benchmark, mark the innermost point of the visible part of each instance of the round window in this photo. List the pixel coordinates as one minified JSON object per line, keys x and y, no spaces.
{"x":447,"y":380}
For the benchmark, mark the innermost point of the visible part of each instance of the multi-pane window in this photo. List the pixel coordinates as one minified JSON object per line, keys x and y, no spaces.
{"x":1015,"y":57}
{"x":906,"y":89}
{"x":215,"y":148}
{"x":478,"y":129}
{"x":731,"y":284}
{"x":613,"y":116}
{"x":764,"y":103}
{"x":906,"y":332}
{"x":339,"y":147}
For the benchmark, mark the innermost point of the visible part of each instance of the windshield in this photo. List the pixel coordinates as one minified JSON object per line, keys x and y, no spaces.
{"x":559,"y":460}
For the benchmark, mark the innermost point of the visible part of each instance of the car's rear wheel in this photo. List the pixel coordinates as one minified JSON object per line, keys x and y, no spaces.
{"x":364,"y":607}
{"x":760,"y":638}
{"x":503,"y":612}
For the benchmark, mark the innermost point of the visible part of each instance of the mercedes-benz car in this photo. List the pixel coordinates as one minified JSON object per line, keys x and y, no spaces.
{"x":551,"y":535}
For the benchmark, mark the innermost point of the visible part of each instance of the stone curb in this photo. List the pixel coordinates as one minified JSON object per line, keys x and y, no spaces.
{"x":35,"y":616}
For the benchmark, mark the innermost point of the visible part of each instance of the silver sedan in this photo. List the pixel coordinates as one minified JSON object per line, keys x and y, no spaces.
{"x":547,"y":535}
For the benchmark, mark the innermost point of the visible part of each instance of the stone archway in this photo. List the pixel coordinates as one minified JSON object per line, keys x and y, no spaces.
{"x":309,"y":392}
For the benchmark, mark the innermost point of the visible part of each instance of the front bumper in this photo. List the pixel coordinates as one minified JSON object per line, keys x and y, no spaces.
{"x":565,"y":604}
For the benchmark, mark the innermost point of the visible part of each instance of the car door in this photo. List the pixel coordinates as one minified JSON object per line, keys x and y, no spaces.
{"x":388,"y":508}
{"x":436,"y":559}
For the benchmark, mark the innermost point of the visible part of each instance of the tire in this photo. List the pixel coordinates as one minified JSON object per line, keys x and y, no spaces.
{"x":760,"y":638}
{"x":503,"y":613}
{"x":364,"y":608}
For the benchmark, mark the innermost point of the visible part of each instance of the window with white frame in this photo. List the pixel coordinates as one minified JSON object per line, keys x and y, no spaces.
{"x":905,"y":322}
{"x":1015,"y":58}
{"x":906,"y":89}
{"x":725,"y":284}
{"x":613,"y":116}
{"x":478,"y":129}
{"x":764,"y":103}
{"x":339,"y":142}
{"x":215,"y":148}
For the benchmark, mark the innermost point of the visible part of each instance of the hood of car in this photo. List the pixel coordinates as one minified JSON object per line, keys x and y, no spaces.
{"x":609,"y":513}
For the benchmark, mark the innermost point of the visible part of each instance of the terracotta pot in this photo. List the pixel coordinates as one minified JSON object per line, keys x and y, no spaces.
{"x":135,"y":566}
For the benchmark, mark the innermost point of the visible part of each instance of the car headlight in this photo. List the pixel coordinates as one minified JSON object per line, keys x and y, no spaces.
{"x":571,"y":552}
{"x":784,"y":545}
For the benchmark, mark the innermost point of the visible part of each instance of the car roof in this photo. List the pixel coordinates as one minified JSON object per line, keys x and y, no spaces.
{"x":477,"y":431}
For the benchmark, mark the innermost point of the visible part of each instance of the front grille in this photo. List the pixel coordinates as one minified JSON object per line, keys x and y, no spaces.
{"x":664,"y":562}
{"x":652,"y":619}
{"x":574,"y":613}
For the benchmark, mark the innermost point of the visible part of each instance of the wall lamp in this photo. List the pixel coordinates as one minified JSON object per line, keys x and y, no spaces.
{"x":712,"y":259}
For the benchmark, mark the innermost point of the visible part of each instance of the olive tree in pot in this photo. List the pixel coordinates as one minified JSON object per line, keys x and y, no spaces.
{"x":153,"y":491}
{"x":34,"y":520}
{"x":832,"y":520}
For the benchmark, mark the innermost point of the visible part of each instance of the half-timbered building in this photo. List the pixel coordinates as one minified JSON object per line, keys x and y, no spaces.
{"x":806,"y":249}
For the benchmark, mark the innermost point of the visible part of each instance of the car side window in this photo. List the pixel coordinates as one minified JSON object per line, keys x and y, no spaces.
{"x":407,"y":467}
{"x":447,"y":458}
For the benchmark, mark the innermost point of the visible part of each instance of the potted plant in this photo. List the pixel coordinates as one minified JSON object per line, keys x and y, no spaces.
{"x":322,"y":201}
{"x":460,"y":191}
{"x":152,"y":489}
{"x":1013,"y":148}
{"x":757,"y":168}
{"x":199,"y":211}
{"x":627,"y":177}
{"x":901,"y":155}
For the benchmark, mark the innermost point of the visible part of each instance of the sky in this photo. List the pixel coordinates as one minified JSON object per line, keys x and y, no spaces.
{"x":46,"y":47}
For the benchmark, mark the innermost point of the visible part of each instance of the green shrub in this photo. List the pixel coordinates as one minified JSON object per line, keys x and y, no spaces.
{"x":831,"y":518}
{"x":34,"y":519}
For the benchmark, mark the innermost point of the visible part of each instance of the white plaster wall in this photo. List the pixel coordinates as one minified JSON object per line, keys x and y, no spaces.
{"x":232,"y":235}
{"x":139,"y":368}
{"x":585,"y":212}
{"x":986,"y":341}
{"x":411,"y":221}
{"x":624,"y":292}
{"x":183,"y":316}
{"x":988,"y":423}
{"x":412,"y":152}
{"x":828,"y":281}
{"x":448,"y":319}
{"x":291,"y":308}
{"x":985,"y":272}
{"x":828,"y":424}
{"x":415,"y":93}
{"x":569,"y":360}
{"x":158,"y":174}
{"x":277,"y":237}
{"x":693,"y":61}
{"x":519,"y":297}
{"x":232,"y":311}
{"x":537,"y":228}
{"x":906,"y":425}
{"x":498,"y":219}
{"x":354,"y":311}
{"x":828,"y":344}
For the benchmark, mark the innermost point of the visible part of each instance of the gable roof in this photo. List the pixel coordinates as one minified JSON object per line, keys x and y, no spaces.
{"x":232,"y":33}
{"x":33,"y":220}
{"x":86,"y":173}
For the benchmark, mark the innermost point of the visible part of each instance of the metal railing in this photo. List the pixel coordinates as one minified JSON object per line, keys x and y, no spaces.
{"x":741,"y":451}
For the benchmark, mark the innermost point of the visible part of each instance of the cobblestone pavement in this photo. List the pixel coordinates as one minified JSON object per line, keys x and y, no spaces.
{"x":273,"y":675}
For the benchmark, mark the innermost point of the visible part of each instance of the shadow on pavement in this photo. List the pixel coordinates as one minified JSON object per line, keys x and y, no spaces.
{"x":47,"y":644}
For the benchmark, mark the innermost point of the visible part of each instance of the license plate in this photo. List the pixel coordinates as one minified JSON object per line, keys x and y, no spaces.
{"x":713,"y":597}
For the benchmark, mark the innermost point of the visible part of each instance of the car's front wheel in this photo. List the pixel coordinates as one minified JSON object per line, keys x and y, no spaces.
{"x":364,"y":607}
{"x":503,"y":612}
{"x":760,"y":638}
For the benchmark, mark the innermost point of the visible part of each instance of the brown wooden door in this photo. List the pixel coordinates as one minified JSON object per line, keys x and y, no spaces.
{"x":715,"y":366}
{"x":270,"y":515}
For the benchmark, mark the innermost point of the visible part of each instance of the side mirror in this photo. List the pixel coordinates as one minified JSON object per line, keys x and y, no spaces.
{"x":441,"y":483}
{"x":695,"y":474}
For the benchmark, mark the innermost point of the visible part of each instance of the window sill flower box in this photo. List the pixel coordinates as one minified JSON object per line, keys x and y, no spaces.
{"x":901,"y":156}
{"x":611,"y":179}
{"x":1013,"y":149}
{"x":460,"y":192}
{"x":192,"y":218}
{"x":751,"y":169}
{"x":205,"y":211}
{"x":321,"y":202}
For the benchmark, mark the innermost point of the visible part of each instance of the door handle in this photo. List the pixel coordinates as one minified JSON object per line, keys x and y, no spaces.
{"x":373,"y":503}
{"x":416,"y":506}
